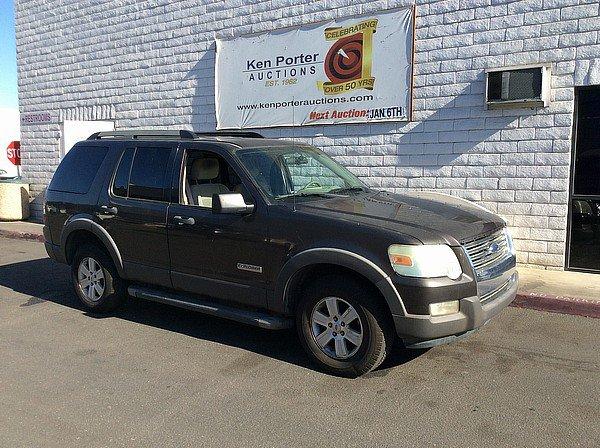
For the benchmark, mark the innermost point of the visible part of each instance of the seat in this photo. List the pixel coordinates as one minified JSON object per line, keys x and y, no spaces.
{"x":203,"y":172}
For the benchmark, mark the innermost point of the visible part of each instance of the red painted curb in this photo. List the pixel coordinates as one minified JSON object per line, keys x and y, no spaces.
{"x":22,"y":235}
{"x":558,"y":304}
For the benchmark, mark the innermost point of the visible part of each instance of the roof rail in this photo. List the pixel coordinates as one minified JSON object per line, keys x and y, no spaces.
{"x":233,"y":133}
{"x":182,"y":133}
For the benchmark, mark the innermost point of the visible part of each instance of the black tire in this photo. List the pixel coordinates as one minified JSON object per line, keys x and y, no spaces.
{"x":115,"y":288}
{"x":377,"y":330}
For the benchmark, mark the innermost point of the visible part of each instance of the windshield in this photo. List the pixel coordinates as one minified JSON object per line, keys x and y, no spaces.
{"x":286,"y":171}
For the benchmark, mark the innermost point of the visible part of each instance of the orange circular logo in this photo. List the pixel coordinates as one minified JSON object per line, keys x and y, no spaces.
{"x":343,"y":61}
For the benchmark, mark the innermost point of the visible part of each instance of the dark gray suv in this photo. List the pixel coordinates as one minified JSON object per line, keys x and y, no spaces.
{"x":275,"y":234}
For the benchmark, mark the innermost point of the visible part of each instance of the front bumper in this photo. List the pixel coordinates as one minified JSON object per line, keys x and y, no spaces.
{"x":420,"y":331}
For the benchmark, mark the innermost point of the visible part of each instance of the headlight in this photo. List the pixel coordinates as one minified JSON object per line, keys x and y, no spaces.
{"x":425,"y":261}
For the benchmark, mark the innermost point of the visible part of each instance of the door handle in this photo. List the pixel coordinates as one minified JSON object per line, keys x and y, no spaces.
{"x":107,"y":210}
{"x":181,"y":220}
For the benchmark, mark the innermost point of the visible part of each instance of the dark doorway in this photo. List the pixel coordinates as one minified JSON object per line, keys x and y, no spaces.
{"x":583,"y":251}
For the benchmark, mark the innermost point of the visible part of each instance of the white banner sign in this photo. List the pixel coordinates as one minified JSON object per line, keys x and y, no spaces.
{"x":356,"y":70}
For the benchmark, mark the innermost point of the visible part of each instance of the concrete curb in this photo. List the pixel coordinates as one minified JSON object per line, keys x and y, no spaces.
{"x":558,"y":304}
{"x":22,"y":235}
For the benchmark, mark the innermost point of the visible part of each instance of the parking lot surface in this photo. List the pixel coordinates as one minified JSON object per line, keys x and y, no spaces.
{"x":152,"y":375}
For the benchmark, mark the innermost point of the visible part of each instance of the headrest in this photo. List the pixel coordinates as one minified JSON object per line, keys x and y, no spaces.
{"x":204,"y":169}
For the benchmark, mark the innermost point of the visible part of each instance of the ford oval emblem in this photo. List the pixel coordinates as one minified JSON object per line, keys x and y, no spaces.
{"x":494,"y":247}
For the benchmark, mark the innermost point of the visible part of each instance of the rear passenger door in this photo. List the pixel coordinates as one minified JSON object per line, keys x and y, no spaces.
{"x":133,"y":210}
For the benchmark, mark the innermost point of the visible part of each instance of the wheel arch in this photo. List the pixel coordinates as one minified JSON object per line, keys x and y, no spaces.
{"x":83,"y":229}
{"x":314,"y":261}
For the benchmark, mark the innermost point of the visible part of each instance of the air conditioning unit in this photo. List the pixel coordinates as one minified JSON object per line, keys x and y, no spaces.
{"x":516,"y":87}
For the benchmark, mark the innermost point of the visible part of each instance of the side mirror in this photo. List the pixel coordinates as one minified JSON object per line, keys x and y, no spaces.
{"x":231,"y":203}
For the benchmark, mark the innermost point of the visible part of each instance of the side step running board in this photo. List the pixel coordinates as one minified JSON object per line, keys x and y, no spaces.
{"x":249,"y":317}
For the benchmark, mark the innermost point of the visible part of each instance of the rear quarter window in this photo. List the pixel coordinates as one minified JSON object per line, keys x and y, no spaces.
{"x":78,"y":169}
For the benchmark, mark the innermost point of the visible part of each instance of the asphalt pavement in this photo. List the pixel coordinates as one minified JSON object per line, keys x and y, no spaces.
{"x":150,"y":375}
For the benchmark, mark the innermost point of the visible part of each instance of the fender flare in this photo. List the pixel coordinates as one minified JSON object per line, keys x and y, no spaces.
{"x":79,"y":222}
{"x":343,"y":258}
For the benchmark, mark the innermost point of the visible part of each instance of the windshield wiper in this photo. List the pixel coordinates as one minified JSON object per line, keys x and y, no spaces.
{"x":304,"y":194}
{"x":347,"y":190}
{"x":320,"y":195}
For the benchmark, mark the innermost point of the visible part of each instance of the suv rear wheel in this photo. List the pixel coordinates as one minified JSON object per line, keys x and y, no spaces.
{"x":96,"y":281}
{"x":342,"y":327}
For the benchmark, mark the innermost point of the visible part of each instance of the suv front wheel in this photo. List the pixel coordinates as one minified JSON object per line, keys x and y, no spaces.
{"x":343,"y":327}
{"x":96,"y":281}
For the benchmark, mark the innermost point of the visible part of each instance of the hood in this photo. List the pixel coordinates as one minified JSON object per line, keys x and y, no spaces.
{"x":427,"y":216}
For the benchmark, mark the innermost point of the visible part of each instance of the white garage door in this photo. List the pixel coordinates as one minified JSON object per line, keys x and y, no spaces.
{"x":73,"y":131}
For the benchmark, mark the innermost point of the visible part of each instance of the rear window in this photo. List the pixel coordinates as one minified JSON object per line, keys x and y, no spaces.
{"x":78,"y":169}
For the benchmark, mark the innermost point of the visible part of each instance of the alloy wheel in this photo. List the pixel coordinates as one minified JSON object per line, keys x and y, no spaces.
{"x":336,"y":328}
{"x":90,"y":277}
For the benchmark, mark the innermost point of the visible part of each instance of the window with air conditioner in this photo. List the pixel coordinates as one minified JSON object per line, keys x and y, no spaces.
{"x":523,"y":86}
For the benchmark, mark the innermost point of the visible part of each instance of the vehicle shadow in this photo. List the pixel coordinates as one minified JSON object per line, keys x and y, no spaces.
{"x":44,"y":280}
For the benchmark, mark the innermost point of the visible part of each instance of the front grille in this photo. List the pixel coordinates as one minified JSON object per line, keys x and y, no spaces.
{"x":492,"y":295}
{"x":486,"y":251}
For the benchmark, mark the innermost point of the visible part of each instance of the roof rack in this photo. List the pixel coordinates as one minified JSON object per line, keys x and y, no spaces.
{"x":178,"y":134}
{"x":246,"y":134}
{"x":184,"y":134}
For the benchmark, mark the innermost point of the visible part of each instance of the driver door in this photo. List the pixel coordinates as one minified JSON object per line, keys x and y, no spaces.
{"x":223,"y":256}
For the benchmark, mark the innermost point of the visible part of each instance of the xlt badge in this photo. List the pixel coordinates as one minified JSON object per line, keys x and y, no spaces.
{"x":249,"y":267}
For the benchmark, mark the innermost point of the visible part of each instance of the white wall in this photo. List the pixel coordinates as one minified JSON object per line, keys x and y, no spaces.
{"x":9,"y":131}
{"x":151,"y":64}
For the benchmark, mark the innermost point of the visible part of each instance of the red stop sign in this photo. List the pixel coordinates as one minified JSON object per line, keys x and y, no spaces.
{"x":13,"y":152}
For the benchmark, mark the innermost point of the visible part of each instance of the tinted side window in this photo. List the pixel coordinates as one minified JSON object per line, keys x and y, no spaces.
{"x":78,"y":169}
{"x":148,"y":178}
{"x":121,"y":181}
